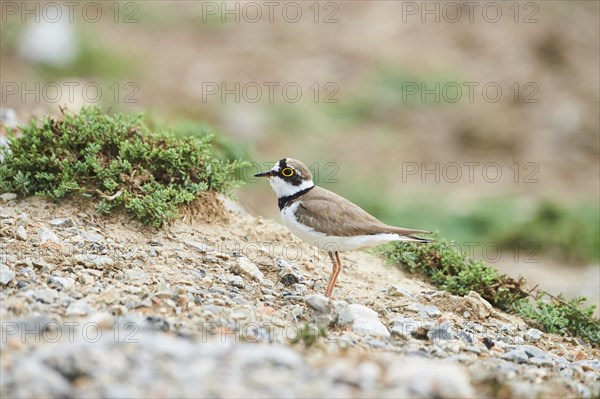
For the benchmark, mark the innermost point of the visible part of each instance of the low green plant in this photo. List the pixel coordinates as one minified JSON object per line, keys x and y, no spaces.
{"x":445,"y":265}
{"x":449,"y":268}
{"x":561,"y":316}
{"x":309,"y":334}
{"x":117,"y":160}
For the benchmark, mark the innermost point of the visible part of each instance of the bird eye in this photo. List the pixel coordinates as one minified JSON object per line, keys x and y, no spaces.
{"x":287,"y":172}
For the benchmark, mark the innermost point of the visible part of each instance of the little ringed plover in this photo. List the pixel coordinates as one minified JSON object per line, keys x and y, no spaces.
{"x":325,"y":219}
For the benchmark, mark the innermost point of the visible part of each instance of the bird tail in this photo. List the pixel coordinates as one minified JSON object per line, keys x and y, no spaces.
{"x":415,"y":239}
{"x":408,"y":235}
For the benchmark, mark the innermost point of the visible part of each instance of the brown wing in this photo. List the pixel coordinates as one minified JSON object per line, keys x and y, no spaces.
{"x":329,"y":213}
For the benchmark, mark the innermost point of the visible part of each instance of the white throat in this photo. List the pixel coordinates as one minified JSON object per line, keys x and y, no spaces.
{"x":285,"y":189}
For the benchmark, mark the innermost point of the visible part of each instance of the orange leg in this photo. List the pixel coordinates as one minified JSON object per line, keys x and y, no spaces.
{"x":337,"y":268}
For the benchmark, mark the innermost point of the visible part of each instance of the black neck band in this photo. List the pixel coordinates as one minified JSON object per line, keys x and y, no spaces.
{"x":283,"y":201}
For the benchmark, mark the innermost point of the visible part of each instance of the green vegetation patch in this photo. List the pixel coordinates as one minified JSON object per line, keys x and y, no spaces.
{"x":447,"y":267}
{"x":451,"y":270}
{"x":309,"y":334}
{"x":557,"y":315}
{"x":116,"y":159}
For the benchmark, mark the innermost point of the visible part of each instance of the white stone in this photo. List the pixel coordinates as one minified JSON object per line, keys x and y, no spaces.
{"x":533,"y":335}
{"x":484,"y":308}
{"x":425,"y":310}
{"x":366,"y":321}
{"x":396,"y":290}
{"x":138,"y":275}
{"x":62,"y":222}
{"x":79,"y":308}
{"x":91,"y":237}
{"x":8,"y":196}
{"x":21,"y":233}
{"x":93,"y":261}
{"x":44,"y":295}
{"x":244,"y":266}
{"x":431,"y":379}
{"x":404,"y":327}
{"x":46,"y":235}
{"x":317,"y":301}
{"x":6,"y":275}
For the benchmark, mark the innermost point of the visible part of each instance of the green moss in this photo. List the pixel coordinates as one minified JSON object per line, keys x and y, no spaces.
{"x":309,"y":334}
{"x":117,"y":160}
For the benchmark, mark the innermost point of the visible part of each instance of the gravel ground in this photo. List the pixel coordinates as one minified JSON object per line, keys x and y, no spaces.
{"x":211,"y":307}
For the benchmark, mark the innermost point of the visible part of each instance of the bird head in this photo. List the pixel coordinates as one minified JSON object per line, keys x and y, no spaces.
{"x":287,"y":177}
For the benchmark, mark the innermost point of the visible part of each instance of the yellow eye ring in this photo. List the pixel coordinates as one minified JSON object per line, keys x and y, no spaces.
{"x":287,"y":172}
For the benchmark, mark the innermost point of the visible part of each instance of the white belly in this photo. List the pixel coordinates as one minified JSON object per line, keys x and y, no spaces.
{"x":332,"y":243}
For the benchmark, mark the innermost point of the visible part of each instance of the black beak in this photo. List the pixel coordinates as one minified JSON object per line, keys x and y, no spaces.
{"x":267,"y":173}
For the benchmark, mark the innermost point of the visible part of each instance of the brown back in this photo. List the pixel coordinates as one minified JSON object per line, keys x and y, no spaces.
{"x":331,"y":214}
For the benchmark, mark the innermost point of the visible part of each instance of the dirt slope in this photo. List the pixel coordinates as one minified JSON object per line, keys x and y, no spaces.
{"x":209,"y":306}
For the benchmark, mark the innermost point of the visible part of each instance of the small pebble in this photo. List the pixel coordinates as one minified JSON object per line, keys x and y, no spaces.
{"x":488,"y":342}
{"x":6,"y":274}
{"x":533,"y":335}
{"x":21,"y":233}
{"x":46,"y":235}
{"x":8,"y":197}
{"x":62,"y":222}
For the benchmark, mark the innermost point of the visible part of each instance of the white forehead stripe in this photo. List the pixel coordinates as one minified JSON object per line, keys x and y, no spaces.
{"x":276,"y":167}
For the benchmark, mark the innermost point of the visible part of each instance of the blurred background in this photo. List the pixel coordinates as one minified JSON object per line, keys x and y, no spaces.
{"x":478,"y":120}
